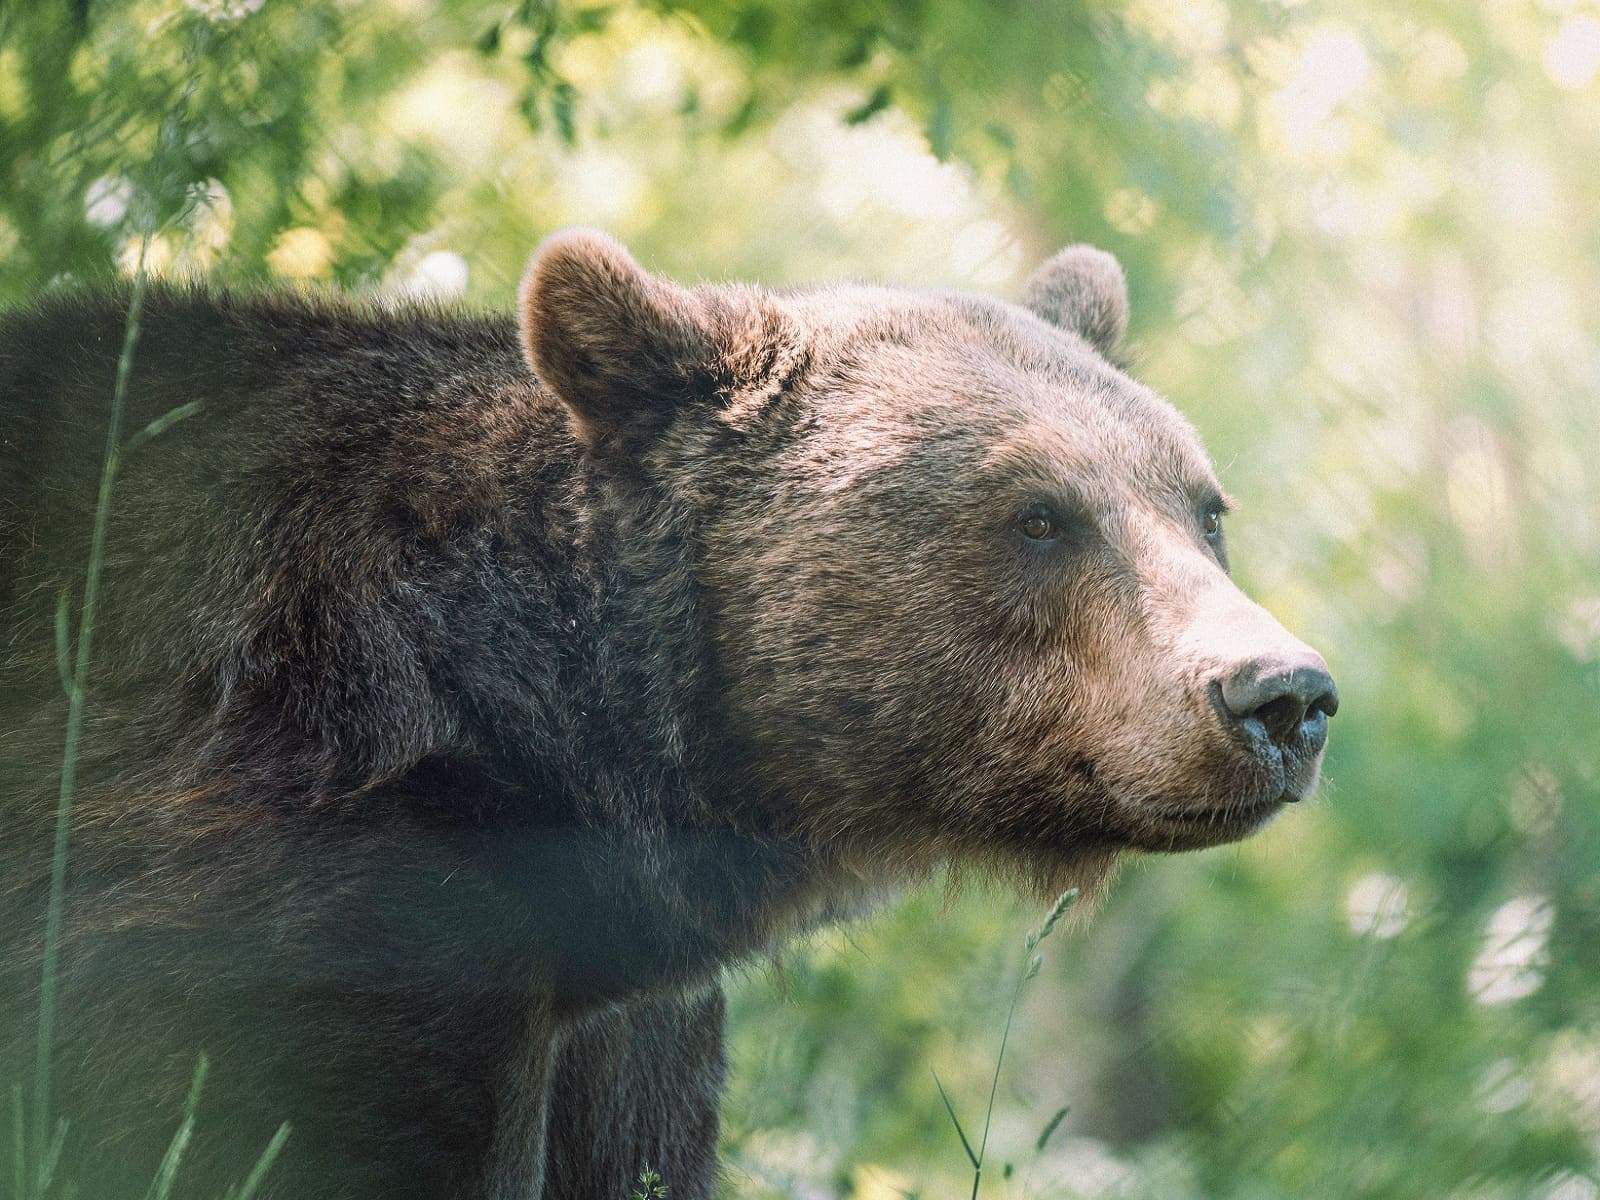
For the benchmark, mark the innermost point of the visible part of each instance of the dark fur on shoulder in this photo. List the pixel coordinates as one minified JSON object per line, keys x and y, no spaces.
{"x":467,"y":691}
{"x":392,"y":728}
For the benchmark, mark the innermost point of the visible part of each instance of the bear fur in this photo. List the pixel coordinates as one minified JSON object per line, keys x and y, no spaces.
{"x":467,"y":690}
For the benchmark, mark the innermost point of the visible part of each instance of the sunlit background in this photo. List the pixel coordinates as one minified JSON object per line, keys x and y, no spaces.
{"x":1364,"y":254}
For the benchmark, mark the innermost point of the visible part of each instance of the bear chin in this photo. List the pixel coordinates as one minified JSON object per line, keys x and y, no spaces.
{"x":1234,"y":800}
{"x":1199,"y":828}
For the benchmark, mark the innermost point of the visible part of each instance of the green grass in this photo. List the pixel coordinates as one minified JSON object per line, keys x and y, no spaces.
{"x":1032,"y":962}
{"x":38,"y":1144}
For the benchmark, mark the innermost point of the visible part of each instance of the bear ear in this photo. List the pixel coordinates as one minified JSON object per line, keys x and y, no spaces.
{"x":617,"y":346}
{"x":1083,"y":290}
{"x":626,"y":351}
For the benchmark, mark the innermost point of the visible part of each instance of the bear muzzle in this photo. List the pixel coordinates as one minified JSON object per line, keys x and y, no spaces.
{"x":1269,"y":697}
{"x":1279,"y":704}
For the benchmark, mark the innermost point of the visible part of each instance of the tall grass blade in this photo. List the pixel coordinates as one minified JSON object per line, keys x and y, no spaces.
{"x":19,"y":1139}
{"x":63,"y":637}
{"x":1049,"y":1129}
{"x":994,"y":1081}
{"x":52,"y":1156}
{"x":161,"y":424}
{"x":75,"y":701}
{"x":264,"y":1163}
{"x":1030,"y":968}
{"x":956,"y":1121}
{"x":167,"y":1172}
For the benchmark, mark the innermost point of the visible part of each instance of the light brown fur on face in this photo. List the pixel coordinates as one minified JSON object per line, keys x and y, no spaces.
{"x":913,"y":679}
{"x":923,"y":684}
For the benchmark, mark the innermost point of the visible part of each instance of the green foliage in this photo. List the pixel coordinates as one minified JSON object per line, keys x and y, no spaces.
{"x":1032,"y":963}
{"x":1358,"y":239}
{"x":650,"y":1186}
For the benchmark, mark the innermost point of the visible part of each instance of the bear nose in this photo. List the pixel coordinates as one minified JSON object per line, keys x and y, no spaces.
{"x":1287,"y":696}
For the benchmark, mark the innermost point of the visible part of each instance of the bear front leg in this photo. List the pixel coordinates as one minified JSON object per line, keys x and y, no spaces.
{"x":637,"y":1087}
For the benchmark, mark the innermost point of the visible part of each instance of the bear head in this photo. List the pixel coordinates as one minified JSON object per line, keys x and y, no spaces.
{"x":964,"y":582}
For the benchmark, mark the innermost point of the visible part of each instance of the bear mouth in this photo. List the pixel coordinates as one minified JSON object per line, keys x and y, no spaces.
{"x":1194,"y":827}
{"x":1249,"y":784}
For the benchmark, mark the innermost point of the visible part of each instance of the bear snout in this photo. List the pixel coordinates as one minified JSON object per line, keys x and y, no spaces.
{"x":1274,"y":708}
{"x":1285,"y":698}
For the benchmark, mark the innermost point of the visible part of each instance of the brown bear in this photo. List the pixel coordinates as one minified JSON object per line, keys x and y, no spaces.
{"x":466,"y":691}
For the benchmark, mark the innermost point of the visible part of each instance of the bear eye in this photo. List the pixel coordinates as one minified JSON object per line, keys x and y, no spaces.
{"x":1039,"y":525}
{"x":1212,"y":524}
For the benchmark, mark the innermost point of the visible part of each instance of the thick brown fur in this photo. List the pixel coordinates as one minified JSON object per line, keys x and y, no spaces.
{"x":467,"y":691}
